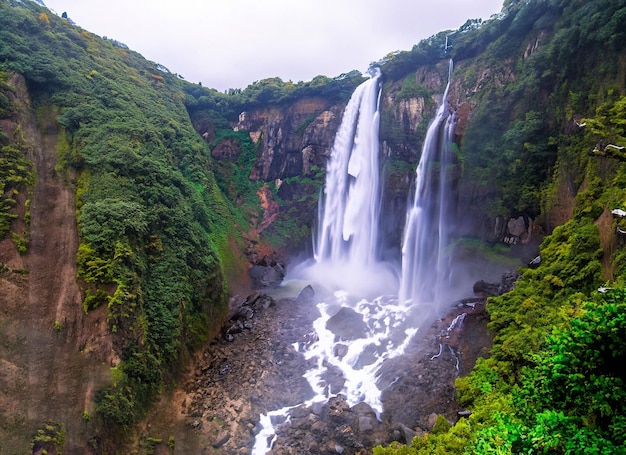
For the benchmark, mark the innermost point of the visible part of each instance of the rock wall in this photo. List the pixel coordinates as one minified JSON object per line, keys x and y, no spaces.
{"x":295,"y":141}
{"x":53,"y":357}
{"x":292,"y":140}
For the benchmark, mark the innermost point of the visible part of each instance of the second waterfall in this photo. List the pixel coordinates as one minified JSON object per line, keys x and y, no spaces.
{"x":426,"y":270}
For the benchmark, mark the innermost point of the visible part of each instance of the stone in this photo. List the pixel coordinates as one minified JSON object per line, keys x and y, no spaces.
{"x":517,"y":226}
{"x":347,"y":324}
{"x":306,"y":294}
{"x":483,"y":287}
{"x":407,"y":433}
{"x":221,"y":439}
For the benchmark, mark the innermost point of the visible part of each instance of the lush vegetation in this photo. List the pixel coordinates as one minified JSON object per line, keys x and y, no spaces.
{"x":16,"y":172}
{"x":156,"y":231}
{"x":158,"y":215}
{"x":553,"y":382}
{"x":530,"y":70}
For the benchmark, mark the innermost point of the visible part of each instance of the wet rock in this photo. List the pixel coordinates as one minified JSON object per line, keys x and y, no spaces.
{"x":261,"y":370}
{"x":266,"y":276}
{"x":407,"y":433}
{"x":340,"y":350}
{"x":221,"y":439}
{"x":347,"y":324}
{"x":485,"y":288}
{"x":507,"y":283}
{"x":338,"y":408}
{"x":306,"y":294}
{"x":365,"y":418}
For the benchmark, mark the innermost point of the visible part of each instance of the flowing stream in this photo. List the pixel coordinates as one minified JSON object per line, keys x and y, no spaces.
{"x":369,"y":314}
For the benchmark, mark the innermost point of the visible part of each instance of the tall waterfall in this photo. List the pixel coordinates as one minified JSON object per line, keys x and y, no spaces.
{"x":350,"y":206}
{"x":347,"y":240}
{"x":425,"y":267}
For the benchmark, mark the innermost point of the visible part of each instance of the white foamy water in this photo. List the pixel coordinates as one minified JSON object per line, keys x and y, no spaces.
{"x":353,"y":338}
{"x":384,"y":332}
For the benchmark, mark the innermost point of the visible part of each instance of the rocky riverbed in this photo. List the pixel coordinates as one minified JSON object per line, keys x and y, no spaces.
{"x":254,"y":367}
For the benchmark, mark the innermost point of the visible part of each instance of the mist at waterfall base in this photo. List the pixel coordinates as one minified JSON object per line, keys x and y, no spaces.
{"x":347,"y":244}
{"x":370,"y":308}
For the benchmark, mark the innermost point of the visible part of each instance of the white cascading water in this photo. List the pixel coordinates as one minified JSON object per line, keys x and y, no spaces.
{"x":350,"y":206}
{"x":425,"y":267}
{"x":346,"y":248}
{"x":363,"y":323}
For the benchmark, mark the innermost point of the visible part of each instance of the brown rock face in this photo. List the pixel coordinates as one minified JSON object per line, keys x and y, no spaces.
{"x":226,"y":150}
{"x":53,"y":356}
{"x":292,"y":139}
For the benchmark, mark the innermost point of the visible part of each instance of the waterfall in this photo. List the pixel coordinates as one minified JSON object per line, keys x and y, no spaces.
{"x":346,"y":247}
{"x":425,"y":267}
{"x":350,"y":206}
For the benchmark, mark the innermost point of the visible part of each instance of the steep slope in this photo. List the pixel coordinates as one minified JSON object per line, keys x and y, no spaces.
{"x":127,"y":242}
{"x":136,"y":222}
{"x":47,"y":337}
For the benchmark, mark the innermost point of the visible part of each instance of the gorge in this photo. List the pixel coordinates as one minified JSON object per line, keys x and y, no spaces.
{"x":146,"y":224}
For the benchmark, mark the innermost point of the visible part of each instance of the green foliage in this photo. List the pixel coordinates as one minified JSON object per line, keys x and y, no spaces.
{"x":152,"y":220}
{"x":105,"y":221}
{"x":223,"y":108}
{"x":50,"y":437}
{"x":507,"y":148}
{"x":441,"y":425}
{"x":116,"y":406}
{"x":20,"y":242}
{"x":411,"y":89}
{"x":16,"y":176}
{"x":576,"y":391}
{"x":451,"y":442}
{"x":554,"y":382}
{"x":547,"y":296}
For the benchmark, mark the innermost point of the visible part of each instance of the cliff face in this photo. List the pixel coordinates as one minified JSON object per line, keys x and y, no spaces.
{"x":293,"y":140}
{"x":115,"y":241}
{"x":520,"y":83}
{"x":53,"y":356}
{"x":296,"y":140}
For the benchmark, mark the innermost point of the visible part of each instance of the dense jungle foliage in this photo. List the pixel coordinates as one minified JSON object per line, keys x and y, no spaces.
{"x":160,"y":221}
{"x":553,"y":382}
{"x":156,"y":233}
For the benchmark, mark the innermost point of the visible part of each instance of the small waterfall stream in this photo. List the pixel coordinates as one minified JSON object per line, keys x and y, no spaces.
{"x":364,"y":320}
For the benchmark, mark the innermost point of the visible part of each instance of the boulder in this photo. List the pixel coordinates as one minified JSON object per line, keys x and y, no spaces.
{"x":347,"y":324}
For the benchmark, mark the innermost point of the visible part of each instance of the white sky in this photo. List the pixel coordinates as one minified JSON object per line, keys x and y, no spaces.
{"x":233,"y":43}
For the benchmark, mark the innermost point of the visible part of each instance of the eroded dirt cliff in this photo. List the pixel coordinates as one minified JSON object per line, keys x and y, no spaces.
{"x":52,"y":356}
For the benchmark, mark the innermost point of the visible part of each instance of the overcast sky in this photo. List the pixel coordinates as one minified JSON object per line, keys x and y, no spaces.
{"x":233,"y":43}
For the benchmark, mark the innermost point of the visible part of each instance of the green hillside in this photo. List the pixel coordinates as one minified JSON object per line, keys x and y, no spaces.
{"x":547,"y":132}
{"x":157,"y":237}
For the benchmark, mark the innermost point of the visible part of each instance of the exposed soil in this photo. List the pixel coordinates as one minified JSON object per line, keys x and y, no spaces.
{"x":45,"y":371}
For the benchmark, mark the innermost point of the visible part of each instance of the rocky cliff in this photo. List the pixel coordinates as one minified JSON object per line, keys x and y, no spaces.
{"x":53,"y":356}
